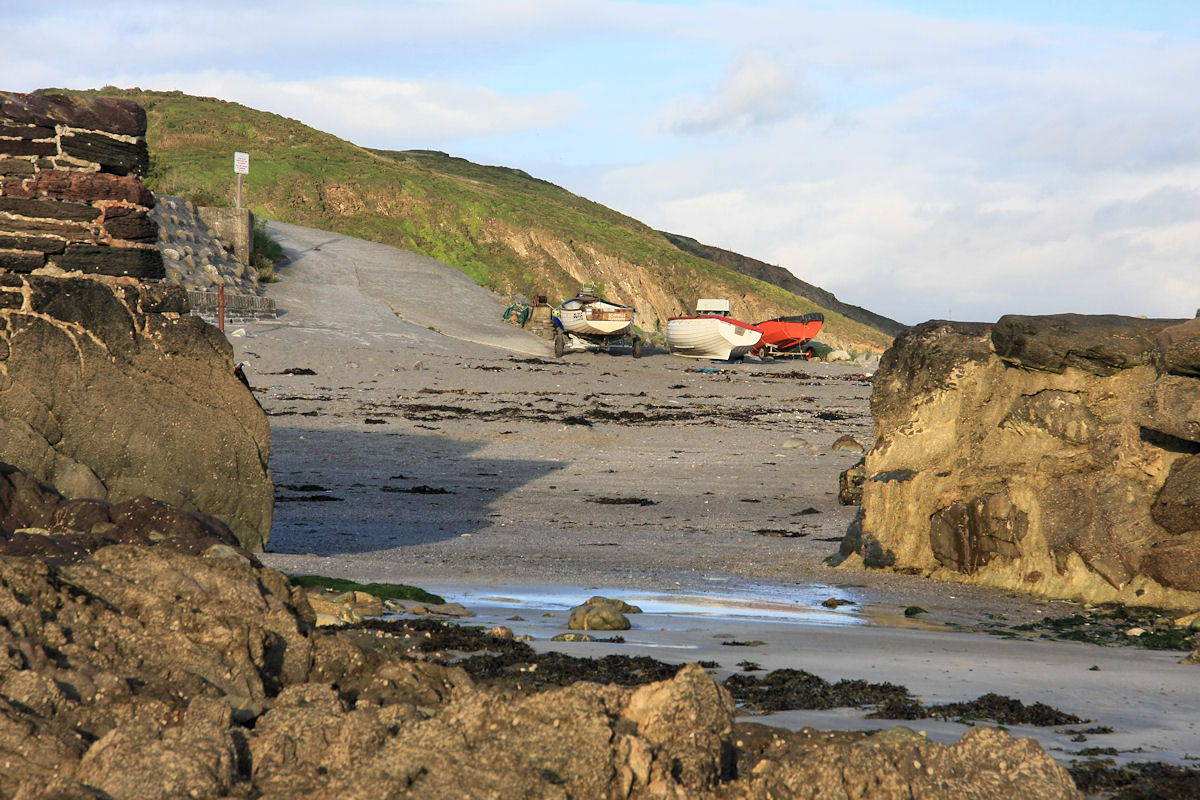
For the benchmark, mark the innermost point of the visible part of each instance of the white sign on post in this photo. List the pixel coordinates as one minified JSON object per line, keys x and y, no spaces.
{"x":241,"y":163}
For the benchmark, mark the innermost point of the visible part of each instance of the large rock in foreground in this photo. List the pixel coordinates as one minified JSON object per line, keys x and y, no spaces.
{"x":140,"y":673}
{"x":1054,"y":454}
{"x":109,"y":391}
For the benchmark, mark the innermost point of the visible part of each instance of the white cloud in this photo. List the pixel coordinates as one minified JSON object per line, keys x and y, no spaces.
{"x":756,"y":91}
{"x":382,"y":113}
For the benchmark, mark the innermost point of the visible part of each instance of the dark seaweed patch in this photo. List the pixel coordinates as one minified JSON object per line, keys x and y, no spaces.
{"x":308,"y":498}
{"x":791,"y":689}
{"x":487,"y":658}
{"x":1142,"y":781}
{"x":1005,"y":710}
{"x":1108,"y":625}
{"x":623,"y":501}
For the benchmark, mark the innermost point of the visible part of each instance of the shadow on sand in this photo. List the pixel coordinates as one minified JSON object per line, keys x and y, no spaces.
{"x":347,"y":491}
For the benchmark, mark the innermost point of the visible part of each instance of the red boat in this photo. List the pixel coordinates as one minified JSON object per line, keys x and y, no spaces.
{"x":787,"y":333}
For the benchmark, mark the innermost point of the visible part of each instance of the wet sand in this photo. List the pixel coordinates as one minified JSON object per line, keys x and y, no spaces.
{"x":439,"y":446}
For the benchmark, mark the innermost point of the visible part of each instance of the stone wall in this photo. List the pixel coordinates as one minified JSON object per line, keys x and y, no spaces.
{"x":238,"y":307}
{"x":1058,"y":455}
{"x":232,"y":225}
{"x":71,"y":196}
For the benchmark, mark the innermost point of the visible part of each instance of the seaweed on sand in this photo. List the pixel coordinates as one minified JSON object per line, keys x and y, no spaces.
{"x":1152,"y":780}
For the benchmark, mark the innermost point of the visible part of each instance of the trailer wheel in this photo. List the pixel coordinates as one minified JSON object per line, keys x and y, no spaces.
{"x":560,"y":345}
{"x":808,"y":354}
{"x":637,"y":348}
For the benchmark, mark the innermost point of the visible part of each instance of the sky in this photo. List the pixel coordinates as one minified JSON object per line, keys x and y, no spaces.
{"x":925,"y":159}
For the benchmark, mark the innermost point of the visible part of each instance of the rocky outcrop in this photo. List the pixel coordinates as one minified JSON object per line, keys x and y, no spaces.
{"x":1053,"y":454}
{"x":142,"y":672}
{"x":70,"y":195}
{"x":108,"y":391}
{"x":899,"y":763}
{"x":35,"y":520}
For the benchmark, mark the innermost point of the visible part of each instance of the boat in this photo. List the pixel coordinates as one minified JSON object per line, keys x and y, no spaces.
{"x":589,"y":315}
{"x":589,"y":321}
{"x":711,"y":333}
{"x":785,"y":334}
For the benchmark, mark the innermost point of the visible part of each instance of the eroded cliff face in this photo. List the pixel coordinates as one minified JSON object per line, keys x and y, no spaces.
{"x":1056,"y":455}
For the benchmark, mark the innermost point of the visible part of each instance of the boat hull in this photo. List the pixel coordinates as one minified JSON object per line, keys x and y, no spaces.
{"x":785,"y":333}
{"x":586,"y":315}
{"x":596,"y":323}
{"x":711,"y":337}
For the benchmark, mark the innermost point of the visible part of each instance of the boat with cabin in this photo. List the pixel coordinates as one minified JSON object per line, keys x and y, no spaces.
{"x":711,"y":333}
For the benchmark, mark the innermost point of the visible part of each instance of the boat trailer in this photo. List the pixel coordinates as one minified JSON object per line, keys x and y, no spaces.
{"x":570,"y":341}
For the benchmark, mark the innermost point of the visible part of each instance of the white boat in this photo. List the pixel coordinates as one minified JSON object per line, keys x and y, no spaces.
{"x":711,"y":333}
{"x":588,"y":315}
{"x":588,"y":322}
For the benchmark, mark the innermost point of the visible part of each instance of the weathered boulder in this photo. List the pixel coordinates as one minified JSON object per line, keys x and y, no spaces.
{"x":617,"y":603}
{"x":1175,"y":562}
{"x":987,"y":764}
{"x":35,"y":520}
{"x":1180,"y":348}
{"x":108,"y":392}
{"x":1099,"y":344}
{"x":1050,"y":454}
{"x":196,"y":758}
{"x":1177,"y":508}
{"x":850,"y":484}
{"x":598,"y":617}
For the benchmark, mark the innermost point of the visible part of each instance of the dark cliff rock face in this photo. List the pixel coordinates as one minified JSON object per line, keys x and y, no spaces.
{"x":1180,"y":348}
{"x":1052,"y":454}
{"x":108,"y":392}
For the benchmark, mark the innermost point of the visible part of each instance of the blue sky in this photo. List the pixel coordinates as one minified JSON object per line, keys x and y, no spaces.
{"x":922,"y":158}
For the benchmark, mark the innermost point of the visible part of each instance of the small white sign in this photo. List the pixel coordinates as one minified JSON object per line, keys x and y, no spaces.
{"x":241,"y":163}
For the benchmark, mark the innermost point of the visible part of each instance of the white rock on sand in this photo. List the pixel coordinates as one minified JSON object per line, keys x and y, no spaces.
{"x":513,"y":482}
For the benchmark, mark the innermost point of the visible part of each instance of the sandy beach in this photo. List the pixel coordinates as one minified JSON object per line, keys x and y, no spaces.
{"x":418,"y":438}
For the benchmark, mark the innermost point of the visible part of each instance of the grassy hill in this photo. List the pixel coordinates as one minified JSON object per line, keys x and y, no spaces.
{"x":511,"y":232}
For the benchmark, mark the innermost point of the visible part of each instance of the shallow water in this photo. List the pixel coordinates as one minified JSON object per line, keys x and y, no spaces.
{"x":791,"y":604}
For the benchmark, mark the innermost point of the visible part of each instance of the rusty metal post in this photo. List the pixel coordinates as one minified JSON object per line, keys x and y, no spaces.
{"x":221,"y":305}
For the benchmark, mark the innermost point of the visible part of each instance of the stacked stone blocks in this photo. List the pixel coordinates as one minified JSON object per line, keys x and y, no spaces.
{"x":71,"y":195}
